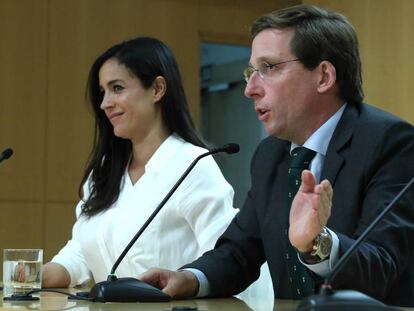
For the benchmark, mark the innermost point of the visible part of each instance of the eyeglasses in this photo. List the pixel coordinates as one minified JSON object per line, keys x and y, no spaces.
{"x":264,"y":70}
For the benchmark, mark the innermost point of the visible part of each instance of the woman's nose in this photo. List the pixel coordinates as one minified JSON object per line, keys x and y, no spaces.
{"x":106,"y":102}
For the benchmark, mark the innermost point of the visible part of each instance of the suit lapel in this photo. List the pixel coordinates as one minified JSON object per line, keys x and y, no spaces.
{"x":342,"y":135}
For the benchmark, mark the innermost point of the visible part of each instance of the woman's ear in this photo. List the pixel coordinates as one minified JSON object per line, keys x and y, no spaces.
{"x":160,"y":87}
{"x":327,"y":77}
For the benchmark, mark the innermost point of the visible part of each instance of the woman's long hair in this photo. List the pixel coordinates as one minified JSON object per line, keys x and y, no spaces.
{"x":147,"y":58}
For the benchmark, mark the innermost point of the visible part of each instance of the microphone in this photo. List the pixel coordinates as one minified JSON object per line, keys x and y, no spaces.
{"x":228,"y":148}
{"x":130,"y":289}
{"x":7,"y":153}
{"x":343,"y":300}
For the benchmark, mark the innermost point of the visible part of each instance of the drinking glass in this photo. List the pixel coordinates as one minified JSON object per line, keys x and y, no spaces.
{"x":21,"y":270}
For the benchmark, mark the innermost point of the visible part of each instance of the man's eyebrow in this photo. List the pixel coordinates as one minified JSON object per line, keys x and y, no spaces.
{"x":265,"y":59}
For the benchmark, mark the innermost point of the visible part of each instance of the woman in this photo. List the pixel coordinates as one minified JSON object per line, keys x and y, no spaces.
{"x":145,"y":140}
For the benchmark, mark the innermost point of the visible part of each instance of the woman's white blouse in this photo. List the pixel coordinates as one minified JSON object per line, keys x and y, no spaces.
{"x":187,"y":226}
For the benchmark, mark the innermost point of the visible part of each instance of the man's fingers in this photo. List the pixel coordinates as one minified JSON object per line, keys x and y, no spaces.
{"x":328,"y":188}
{"x":148,"y":276}
{"x":177,"y":284}
{"x":170,"y":290}
{"x":155,"y":277}
{"x":325,"y":193}
{"x":308,"y":181}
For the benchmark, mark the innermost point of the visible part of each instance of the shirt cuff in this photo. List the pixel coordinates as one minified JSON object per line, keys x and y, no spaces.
{"x":324,"y":268}
{"x":203,"y":283}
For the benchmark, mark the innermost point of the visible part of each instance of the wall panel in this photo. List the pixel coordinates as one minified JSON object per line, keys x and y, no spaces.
{"x":23,"y":58}
{"x":21,"y":226}
{"x":47,"y":47}
{"x":74,"y":46}
{"x":57,"y":229}
{"x":229,"y":21}
{"x":384,"y":28}
{"x":79,"y":31}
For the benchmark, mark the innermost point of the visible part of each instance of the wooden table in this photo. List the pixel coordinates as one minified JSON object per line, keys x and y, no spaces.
{"x":54,"y":301}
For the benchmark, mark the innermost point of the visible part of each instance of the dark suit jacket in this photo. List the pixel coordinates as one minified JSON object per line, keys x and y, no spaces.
{"x":369,"y":159}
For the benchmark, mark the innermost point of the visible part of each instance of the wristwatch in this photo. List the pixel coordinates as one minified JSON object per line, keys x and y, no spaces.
{"x":321,"y":248}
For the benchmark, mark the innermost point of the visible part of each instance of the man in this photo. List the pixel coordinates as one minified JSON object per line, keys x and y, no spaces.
{"x":305,"y":79}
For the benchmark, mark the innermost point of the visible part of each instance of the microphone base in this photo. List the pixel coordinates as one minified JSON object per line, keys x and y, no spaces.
{"x":343,"y":300}
{"x":126,"y":290}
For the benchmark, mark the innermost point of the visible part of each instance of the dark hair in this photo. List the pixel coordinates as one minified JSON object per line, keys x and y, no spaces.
{"x":320,"y":35}
{"x":146,"y":58}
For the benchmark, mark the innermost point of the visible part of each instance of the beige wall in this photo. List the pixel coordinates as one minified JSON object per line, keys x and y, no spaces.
{"x":385,"y":31}
{"x":46,"y":48}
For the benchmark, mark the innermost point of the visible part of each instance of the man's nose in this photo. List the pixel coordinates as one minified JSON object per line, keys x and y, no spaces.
{"x":252,"y":85}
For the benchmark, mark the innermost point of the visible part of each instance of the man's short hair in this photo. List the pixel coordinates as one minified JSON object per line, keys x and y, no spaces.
{"x":320,"y":35}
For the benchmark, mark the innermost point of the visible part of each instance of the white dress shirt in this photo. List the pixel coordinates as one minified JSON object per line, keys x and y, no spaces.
{"x":187,"y":226}
{"x":318,"y":142}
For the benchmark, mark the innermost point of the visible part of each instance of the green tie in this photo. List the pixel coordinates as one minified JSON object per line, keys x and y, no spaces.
{"x":300,"y":281}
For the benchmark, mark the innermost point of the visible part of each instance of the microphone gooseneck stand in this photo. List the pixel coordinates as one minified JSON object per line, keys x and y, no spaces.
{"x":130,"y":289}
{"x":350,"y":300}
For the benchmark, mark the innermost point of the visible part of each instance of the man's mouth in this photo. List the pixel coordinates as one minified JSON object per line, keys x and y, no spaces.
{"x":262,"y":113}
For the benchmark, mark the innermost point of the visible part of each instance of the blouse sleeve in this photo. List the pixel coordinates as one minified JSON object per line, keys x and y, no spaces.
{"x":71,"y":256}
{"x":206,"y":202}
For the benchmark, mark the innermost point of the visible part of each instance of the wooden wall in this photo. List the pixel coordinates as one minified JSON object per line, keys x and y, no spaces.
{"x":385,"y":32}
{"x":46,"y":49}
{"x":47,"y":46}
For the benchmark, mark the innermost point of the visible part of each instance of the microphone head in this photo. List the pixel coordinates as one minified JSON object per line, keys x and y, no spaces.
{"x":7,"y":153}
{"x":231,"y":148}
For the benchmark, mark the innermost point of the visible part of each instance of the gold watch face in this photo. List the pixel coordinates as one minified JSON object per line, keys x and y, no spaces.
{"x":325,"y":245}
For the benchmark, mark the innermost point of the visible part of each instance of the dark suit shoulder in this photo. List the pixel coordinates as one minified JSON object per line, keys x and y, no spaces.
{"x":270,"y":148}
{"x":378,"y":127}
{"x":370,"y":115}
{"x":370,"y":128}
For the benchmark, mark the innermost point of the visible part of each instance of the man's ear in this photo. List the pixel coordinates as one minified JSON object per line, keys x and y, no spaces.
{"x":327,"y":76}
{"x":160,"y":87}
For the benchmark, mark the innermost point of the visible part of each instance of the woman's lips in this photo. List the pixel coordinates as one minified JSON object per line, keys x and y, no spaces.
{"x":113,"y":116}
